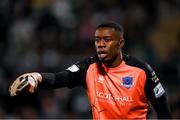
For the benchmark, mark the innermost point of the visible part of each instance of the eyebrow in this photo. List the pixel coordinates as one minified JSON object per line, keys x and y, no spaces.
{"x":102,"y":36}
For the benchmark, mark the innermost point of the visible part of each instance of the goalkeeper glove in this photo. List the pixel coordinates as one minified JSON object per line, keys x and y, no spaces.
{"x":27,"y":80}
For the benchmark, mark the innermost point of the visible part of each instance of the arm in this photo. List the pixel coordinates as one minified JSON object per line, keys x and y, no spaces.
{"x":73,"y":76}
{"x":156,"y":94}
{"x":64,"y":78}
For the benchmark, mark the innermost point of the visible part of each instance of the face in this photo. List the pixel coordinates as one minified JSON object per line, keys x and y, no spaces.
{"x":108,"y":43}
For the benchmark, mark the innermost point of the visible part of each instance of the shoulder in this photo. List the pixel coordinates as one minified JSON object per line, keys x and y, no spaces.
{"x":133,"y":61}
{"x":82,"y":65}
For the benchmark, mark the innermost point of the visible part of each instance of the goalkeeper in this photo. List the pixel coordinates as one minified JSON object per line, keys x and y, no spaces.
{"x":119,"y":86}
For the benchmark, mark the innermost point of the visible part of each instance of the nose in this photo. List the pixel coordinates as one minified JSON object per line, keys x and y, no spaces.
{"x":100,"y":44}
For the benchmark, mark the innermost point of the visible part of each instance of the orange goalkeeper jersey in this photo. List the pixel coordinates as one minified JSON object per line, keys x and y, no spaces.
{"x":122,"y":92}
{"x":118,"y":94}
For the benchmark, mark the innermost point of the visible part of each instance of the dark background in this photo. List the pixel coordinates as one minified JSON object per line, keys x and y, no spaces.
{"x":50,"y":35}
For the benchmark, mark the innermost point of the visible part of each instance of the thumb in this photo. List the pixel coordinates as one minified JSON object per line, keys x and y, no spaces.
{"x":31,"y":89}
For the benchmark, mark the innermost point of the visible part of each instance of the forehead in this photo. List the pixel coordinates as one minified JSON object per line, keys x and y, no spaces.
{"x":105,"y":31}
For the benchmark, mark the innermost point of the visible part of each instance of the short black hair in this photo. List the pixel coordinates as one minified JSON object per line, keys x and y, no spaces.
{"x":114,"y":25}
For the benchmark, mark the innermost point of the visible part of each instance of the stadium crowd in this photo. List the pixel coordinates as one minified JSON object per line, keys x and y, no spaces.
{"x":50,"y":35}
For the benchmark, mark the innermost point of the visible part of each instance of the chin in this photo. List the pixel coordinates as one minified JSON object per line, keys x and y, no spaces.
{"x":104,"y":60}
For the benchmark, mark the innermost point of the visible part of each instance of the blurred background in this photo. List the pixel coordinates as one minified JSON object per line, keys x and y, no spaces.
{"x":51,"y":35}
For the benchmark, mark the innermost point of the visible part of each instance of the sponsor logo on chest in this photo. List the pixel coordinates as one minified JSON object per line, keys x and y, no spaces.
{"x":109,"y":96}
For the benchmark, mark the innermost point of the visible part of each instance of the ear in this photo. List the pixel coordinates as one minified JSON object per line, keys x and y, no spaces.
{"x":121,"y":43}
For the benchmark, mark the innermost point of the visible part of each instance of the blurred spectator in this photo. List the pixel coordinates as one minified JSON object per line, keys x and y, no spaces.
{"x":49,"y":35}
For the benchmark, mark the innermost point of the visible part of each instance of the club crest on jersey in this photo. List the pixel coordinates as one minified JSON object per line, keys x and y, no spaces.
{"x":127,"y":82}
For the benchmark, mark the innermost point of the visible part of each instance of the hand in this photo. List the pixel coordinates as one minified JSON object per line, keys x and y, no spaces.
{"x":27,"y":80}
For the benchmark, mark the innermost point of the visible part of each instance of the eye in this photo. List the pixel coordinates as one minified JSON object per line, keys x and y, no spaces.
{"x":97,"y":39}
{"x":107,"y":39}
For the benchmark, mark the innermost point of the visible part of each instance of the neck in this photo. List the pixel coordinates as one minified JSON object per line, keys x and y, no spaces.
{"x":114,"y":62}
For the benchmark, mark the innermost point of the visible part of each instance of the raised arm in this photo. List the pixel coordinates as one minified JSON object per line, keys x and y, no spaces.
{"x":73,"y":76}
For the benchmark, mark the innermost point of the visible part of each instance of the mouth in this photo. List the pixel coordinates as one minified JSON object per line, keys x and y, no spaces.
{"x":102,"y":54}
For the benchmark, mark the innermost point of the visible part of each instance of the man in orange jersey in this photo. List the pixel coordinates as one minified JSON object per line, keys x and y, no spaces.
{"x":119,"y":86}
